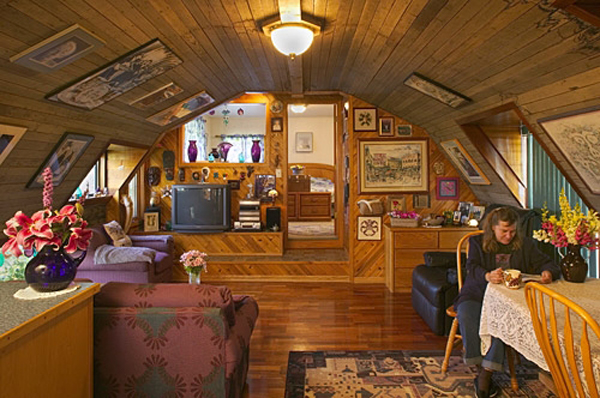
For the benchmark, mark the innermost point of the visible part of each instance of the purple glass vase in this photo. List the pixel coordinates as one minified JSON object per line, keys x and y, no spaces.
{"x":192,"y":151}
{"x":224,"y":148}
{"x":255,"y":151}
{"x":51,"y":269}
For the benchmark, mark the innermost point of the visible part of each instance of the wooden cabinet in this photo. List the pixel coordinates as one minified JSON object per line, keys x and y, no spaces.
{"x":404,"y":248}
{"x":309,"y":206}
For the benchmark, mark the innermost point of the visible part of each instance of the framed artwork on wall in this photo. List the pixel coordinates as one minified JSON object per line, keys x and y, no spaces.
{"x":365,"y":119}
{"x":59,"y":50}
{"x":64,"y":155}
{"x":447,"y":188}
{"x":263,"y":183}
{"x":157,"y":96}
{"x":386,"y":126}
{"x":304,"y":142}
{"x":404,"y":130}
{"x":421,"y":201}
{"x":121,"y":75}
{"x":576,"y":135}
{"x":276,"y":124}
{"x":393,"y":165}
{"x":151,"y":223}
{"x":9,"y":137}
{"x":464,"y":162}
{"x":369,"y":228}
{"x":436,"y":90}
{"x":182,"y":109}
{"x":396,"y":203}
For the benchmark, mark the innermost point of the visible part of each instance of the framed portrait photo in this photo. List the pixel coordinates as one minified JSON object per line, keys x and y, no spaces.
{"x":393,"y":165}
{"x":64,"y":155}
{"x":59,"y":50}
{"x":304,"y":141}
{"x":369,"y":228}
{"x":464,"y":163}
{"x":386,"y":126}
{"x":9,"y":137}
{"x":576,"y":135}
{"x":447,"y":188}
{"x":121,"y":75}
{"x":365,"y":119}
{"x":276,"y":124}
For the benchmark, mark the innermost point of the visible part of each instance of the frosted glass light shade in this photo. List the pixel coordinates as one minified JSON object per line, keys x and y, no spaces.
{"x":292,"y":39}
{"x":298,"y":108}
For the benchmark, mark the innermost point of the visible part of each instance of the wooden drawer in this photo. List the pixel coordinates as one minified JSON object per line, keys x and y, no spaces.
{"x":312,"y":200}
{"x":403,"y":279}
{"x":416,"y":240}
{"x":299,"y":183}
{"x":408,"y":258}
{"x":449,"y":239}
{"x":308,"y":211}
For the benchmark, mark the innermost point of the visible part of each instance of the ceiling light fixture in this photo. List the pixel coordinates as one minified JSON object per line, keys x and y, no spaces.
{"x":298,"y":108}
{"x":292,"y":38}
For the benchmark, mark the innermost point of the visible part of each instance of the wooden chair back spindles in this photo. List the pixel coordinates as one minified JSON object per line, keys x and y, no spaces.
{"x":541,"y":301}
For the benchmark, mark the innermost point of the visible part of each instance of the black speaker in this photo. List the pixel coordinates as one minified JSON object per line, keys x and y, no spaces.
{"x":274,"y":219}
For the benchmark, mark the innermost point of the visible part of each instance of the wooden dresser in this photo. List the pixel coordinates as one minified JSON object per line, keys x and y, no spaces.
{"x":309,"y":206}
{"x":404,"y":248}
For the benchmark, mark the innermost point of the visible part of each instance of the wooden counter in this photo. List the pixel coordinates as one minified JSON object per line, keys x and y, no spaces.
{"x":46,"y":346}
{"x":404,"y":248}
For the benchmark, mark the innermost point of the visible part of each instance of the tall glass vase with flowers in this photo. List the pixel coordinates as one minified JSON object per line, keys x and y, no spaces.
{"x":194,"y":262}
{"x":571,"y":230}
{"x":51,"y":236}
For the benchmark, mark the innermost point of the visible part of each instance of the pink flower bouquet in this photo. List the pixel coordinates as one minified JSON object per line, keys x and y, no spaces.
{"x":194,"y":261}
{"x":403,"y":214}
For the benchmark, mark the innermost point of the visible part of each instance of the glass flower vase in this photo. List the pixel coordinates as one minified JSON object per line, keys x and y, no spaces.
{"x":192,"y":151}
{"x":573,"y":266}
{"x":194,"y":278}
{"x":255,"y":151}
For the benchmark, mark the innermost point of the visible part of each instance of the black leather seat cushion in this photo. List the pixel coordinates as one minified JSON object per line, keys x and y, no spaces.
{"x":431,"y":282}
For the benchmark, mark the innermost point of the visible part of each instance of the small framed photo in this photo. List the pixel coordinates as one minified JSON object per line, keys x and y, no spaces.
{"x":9,"y":136}
{"x":365,"y":119}
{"x":369,"y":228}
{"x":304,"y":142}
{"x":234,"y":185}
{"x":58,"y":50}
{"x":404,"y":130}
{"x":151,"y":221}
{"x":465,"y":208}
{"x":64,"y":155}
{"x":478,"y":212}
{"x":447,"y":188}
{"x":386,"y":126}
{"x":276,"y":124}
{"x":456,"y":218}
{"x":263,"y":183}
{"x":421,"y":201}
{"x":396,"y":203}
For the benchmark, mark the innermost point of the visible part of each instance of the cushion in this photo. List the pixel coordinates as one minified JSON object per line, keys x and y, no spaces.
{"x":107,"y":254}
{"x":441,"y":259}
{"x":117,"y":235}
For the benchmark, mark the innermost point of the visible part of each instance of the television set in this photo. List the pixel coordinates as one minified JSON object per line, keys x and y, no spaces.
{"x":201,"y":208}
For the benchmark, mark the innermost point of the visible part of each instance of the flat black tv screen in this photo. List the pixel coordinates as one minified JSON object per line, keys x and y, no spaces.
{"x":201,"y":208}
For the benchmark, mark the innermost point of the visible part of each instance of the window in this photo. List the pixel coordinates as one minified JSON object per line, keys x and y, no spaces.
{"x":93,"y":183}
{"x":132,"y":189}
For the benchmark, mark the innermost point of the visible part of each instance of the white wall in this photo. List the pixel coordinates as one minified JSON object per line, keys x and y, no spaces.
{"x":323,"y":130}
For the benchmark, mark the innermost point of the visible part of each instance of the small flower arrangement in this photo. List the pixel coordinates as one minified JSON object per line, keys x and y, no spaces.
{"x":403,"y":214}
{"x":194,"y":261}
{"x":60,"y":228}
{"x":572,"y":228}
{"x":297,"y":168}
{"x":273,"y":194}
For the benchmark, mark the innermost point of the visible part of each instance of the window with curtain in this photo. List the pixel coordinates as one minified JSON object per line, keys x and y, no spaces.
{"x":242,"y":143}
{"x":195,"y":131}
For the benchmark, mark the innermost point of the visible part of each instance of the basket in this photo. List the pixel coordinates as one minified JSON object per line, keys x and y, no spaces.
{"x":404,"y":222}
{"x":370,"y":207}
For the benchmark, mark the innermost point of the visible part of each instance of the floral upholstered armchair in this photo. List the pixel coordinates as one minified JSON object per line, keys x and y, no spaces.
{"x":171,"y":340}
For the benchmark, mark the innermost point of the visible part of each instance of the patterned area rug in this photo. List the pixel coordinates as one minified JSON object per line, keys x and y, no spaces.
{"x":311,"y":228}
{"x":388,"y":374}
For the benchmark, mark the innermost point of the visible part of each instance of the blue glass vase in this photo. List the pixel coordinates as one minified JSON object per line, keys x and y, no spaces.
{"x":51,"y":269}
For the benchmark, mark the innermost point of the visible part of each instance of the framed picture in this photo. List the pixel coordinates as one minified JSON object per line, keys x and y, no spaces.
{"x":436,"y":90}
{"x":404,"y":130}
{"x":9,"y":136}
{"x":151,"y":222}
{"x":464,"y":162}
{"x":64,"y":155}
{"x":369,"y":228}
{"x":276,"y":124}
{"x":575,"y":135}
{"x":116,"y":78}
{"x":157,"y":96}
{"x":421,"y":201}
{"x":478,"y":212}
{"x":182,"y":109}
{"x":58,"y":50}
{"x":263,"y":183}
{"x":393,"y":165}
{"x":396,"y":203}
{"x":465,"y":209}
{"x":365,"y":119}
{"x":386,"y":126}
{"x":447,"y":188}
{"x":304,"y":142}
{"x":234,"y":184}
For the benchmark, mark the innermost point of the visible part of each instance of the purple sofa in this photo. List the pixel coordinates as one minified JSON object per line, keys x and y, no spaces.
{"x":160,"y":270}
{"x":171,"y":340}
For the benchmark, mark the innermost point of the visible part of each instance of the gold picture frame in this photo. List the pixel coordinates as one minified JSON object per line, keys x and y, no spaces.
{"x":151,"y":221}
{"x":464,"y":162}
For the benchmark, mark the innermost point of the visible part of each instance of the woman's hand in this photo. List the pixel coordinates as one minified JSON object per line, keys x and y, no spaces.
{"x":497,"y":276}
{"x":546,"y":277}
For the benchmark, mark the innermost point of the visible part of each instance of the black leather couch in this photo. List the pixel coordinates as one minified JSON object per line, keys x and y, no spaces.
{"x":435,"y":284}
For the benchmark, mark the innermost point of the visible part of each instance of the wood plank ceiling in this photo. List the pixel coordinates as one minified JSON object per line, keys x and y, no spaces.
{"x":492,"y":51}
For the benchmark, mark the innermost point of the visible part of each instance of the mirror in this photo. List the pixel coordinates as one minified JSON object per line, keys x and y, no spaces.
{"x":229,"y":133}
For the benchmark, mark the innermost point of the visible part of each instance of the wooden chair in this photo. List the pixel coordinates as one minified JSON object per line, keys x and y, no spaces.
{"x":567,"y":379}
{"x":454,"y":337}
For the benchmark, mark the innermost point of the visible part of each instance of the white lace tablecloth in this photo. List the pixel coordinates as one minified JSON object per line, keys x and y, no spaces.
{"x":505,"y":315}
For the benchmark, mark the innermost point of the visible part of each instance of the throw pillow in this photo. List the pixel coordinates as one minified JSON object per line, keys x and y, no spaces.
{"x":117,"y":235}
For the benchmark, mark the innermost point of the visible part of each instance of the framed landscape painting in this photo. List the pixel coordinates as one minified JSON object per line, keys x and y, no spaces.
{"x":577,"y":136}
{"x":464,"y":162}
{"x":64,"y":155}
{"x":393,"y":165}
{"x":121,"y":75}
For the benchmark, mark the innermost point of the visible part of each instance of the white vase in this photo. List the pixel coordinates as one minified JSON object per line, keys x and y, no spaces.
{"x":194,"y":279}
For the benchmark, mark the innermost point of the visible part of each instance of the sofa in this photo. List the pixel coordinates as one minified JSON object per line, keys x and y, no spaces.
{"x":171,"y":340}
{"x":148,"y":271}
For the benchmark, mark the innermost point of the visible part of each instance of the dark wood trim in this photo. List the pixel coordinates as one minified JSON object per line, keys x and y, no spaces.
{"x":581,"y":11}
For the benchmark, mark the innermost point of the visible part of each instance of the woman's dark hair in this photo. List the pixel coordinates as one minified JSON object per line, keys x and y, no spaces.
{"x":507,"y":215}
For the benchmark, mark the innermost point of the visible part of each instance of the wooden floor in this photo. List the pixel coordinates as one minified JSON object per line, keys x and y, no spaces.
{"x":326,"y":316}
